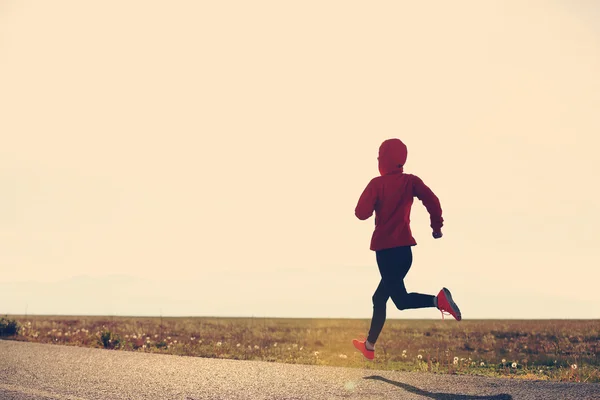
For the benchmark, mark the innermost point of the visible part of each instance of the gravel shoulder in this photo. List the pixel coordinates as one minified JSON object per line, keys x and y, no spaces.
{"x":32,"y":371}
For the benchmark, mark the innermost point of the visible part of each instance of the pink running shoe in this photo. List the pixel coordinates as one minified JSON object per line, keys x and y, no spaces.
{"x":446,"y":304}
{"x":370,"y":354}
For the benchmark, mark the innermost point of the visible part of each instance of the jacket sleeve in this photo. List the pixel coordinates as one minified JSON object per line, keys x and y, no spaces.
{"x":430,"y":201}
{"x":367,"y":201}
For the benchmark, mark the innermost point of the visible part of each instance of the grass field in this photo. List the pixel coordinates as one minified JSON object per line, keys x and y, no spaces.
{"x":560,"y":350}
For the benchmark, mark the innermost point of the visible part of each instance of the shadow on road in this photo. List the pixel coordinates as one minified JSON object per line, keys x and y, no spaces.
{"x":439,"y":396}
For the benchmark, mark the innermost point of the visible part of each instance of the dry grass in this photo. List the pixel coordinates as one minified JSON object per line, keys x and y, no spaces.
{"x":560,"y":350}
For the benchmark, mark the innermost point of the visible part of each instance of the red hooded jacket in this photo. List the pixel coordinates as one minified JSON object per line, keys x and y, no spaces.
{"x":391,"y":195}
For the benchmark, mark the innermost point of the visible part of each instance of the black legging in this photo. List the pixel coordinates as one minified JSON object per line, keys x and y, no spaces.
{"x":393,"y":266}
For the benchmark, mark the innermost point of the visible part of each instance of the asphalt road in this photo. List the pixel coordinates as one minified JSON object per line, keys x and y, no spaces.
{"x":31,"y":371}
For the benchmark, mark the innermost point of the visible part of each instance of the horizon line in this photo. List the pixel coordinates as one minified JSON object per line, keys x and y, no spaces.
{"x":272,"y":317}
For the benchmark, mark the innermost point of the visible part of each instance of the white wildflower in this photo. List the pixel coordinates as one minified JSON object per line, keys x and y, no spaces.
{"x":219,"y":344}
{"x":455,"y":360}
{"x":514,"y":365}
{"x":503,"y":361}
{"x":238,"y":345}
{"x":316,"y":353}
{"x":420,"y":357}
{"x":275,"y":344}
{"x":574,"y":366}
{"x":482,"y":364}
{"x":256,"y":347}
{"x":343,"y":356}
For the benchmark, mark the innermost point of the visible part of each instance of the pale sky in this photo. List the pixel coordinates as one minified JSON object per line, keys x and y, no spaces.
{"x":218,"y":149}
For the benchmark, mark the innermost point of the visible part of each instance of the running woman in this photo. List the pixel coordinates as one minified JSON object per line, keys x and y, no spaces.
{"x":390,"y":197}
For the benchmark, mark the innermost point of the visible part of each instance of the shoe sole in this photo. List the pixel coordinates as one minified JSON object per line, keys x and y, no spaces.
{"x":452,"y":304}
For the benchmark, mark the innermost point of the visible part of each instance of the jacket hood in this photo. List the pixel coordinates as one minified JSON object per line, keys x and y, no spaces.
{"x":392,"y":156}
